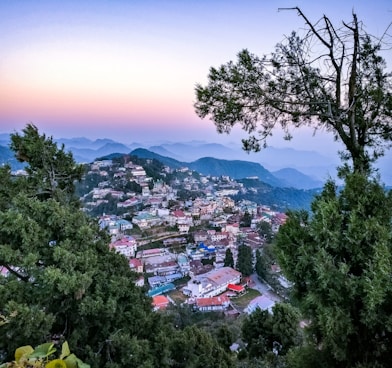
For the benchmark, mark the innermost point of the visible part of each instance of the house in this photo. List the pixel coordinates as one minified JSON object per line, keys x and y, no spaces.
{"x":128,"y":203}
{"x":200,"y":236}
{"x":154,"y":252}
{"x":136,"y":265}
{"x":140,"y":281}
{"x":160,"y":302}
{"x":126,"y":246}
{"x":262,"y":302}
{"x":212,"y":283}
{"x":232,"y":228}
{"x":216,"y":303}
{"x":145,"y":220}
{"x":162,"y":268}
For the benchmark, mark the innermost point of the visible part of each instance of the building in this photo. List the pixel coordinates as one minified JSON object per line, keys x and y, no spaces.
{"x":160,"y":302}
{"x":212,"y":283}
{"x":126,"y":246}
{"x":262,"y":302}
{"x":216,"y":303}
{"x":136,"y":265}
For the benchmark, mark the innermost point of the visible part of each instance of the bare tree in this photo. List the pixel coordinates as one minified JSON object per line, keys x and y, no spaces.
{"x":331,"y":78}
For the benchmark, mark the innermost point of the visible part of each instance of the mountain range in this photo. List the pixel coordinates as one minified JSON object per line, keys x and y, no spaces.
{"x":277,"y":166}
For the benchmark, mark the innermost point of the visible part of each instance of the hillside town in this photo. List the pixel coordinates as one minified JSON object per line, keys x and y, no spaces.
{"x":183,"y":236}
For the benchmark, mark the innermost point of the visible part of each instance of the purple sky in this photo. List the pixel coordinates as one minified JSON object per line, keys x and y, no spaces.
{"x":126,"y":70}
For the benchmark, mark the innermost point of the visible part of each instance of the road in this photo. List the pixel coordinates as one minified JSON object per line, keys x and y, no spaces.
{"x":263,"y":288}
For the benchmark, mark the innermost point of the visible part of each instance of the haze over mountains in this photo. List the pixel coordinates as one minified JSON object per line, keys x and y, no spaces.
{"x":285,"y":166}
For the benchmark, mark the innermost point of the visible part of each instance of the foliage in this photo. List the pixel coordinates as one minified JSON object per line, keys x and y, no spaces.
{"x":43,"y":357}
{"x":246,"y":219}
{"x":245,"y":260}
{"x":280,"y":199}
{"x":339,"y":260}
{"x":267,"y":333}
{"x":330,"y":78}
{"x":52,"y":173}
{"x":264,"y":229}
{"x":229,"y":259}
{"x":64,"y":282}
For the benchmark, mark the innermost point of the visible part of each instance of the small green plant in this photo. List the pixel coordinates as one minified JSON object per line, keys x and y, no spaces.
{"x":43,"y":356}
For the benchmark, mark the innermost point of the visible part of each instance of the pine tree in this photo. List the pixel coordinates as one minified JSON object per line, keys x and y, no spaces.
{"x":229,"y":259}
{"x":340,"y":260}
{"x":64,"y":283}
{"x":245,"y":260}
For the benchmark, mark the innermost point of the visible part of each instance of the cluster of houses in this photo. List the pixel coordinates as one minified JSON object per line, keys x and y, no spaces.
{"x":210,"y":284}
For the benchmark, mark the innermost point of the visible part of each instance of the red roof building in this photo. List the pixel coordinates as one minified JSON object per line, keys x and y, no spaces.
{"x":236,"y":288}
{"x":160,"y":302}
{"x":214,"y":303}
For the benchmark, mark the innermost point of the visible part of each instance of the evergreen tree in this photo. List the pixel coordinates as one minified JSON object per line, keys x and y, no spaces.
{"x":64,"y":283}
{"x":331,"y":77}
{"x":265,"y":230}
{"x":275,"y":332}
{"x":246,"y":219}
{"x":261,"y":265}
{"x":229,"y":260}
{"x":245,"y":260}
{"x":340,"y":262}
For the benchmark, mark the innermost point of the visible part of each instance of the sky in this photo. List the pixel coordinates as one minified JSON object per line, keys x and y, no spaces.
{"x":127,"y":70}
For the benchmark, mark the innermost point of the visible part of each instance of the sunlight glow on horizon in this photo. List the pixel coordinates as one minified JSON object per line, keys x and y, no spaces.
{"x":95,"y":67}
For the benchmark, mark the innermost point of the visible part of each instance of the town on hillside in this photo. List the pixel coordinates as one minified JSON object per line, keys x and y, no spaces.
{"x":184,"y":236}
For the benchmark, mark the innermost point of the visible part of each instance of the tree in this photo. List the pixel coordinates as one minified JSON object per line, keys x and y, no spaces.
{"x":331,"y":78}
{"x":264,"y":229}
{"x":52,"y":172}
{"x":261,"y":265}
{"x":64,"y":283}
{"x":276,"y":332}
{"x":339,"y":260}
{"x":229,"y":260}
{"x":246,"y":219}
{"x":245,"y":260}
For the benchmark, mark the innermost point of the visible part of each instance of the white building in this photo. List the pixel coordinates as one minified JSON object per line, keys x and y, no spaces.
{"x":212,"y":283}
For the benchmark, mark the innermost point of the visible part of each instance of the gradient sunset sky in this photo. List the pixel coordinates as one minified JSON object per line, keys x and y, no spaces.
{"x":126,"y":70}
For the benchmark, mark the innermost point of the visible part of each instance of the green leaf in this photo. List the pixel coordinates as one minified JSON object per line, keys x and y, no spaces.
{"x":82,"y":364}
{"x":23,"y":351}
{"x":43,"y":351}
{"x":65,"y":350}
{"x":71,"y":361}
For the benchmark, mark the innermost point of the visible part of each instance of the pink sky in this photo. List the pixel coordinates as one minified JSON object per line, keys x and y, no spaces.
{"x":126,"y":70}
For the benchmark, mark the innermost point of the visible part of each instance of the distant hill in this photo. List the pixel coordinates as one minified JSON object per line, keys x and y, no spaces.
{"x":296,"y":179}
{"x":282,"y":199}
{"x":236,"y":169}
{"x":144,"y":153}
{"x":89,"y":155}
{"x":161,"y":150}
{"x":7,"y":156}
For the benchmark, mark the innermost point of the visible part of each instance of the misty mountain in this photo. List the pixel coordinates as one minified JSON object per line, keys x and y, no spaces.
{"x":7,"y":156}
{"x":4,"y":139}
{"x":194,"y":150}
{"x":294,"y":178}
{"x":89,"y":155}
{"x":160,"y":150}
